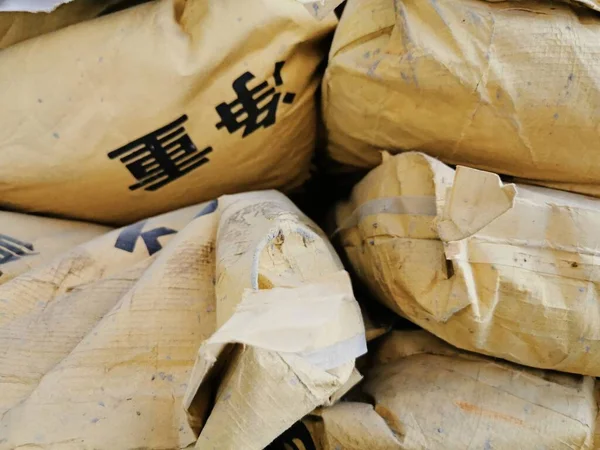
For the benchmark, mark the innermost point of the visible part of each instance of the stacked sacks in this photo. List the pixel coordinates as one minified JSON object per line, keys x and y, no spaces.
{"x":426,"y":395}
{"x":151,"y":115}
{"x":505,"y":270}
{"x":510,"y":86}
{"x":98,"y":346}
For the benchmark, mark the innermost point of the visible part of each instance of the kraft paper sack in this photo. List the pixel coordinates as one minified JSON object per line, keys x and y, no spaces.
{"x":160,"y":106}
{"x":96,"y":348}
{"x":289,"y":326}
{"x":29,"y":241}
{"x":510,"y":86}
{"x":427,"y":395}
{"x":505,"y":270}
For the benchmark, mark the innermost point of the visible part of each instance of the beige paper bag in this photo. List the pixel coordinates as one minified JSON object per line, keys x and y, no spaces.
{"x":20,"y":26}
{"x":29,"y":241}
{"x":102,"y":257}
{"x":290,"y":329}
{"x":509,"y":86}
{"x":505,"y":270}
{"x":102,"y":360}
{"x":428,"y":395}
{"x":160,"y":106}
{"x":433,"y":396}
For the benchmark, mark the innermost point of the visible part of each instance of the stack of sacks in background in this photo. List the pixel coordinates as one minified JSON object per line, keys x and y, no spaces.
{"x":496,"y":270}
{"x":509,"y":271}
{"x":110,"y":343}
{"x":159,"y":106}
{"x":512,"y":87}
{"x":218,"y":325}
{"x":221,"y":325}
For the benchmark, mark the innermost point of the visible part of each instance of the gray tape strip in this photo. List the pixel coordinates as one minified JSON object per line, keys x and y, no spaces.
{"x":337,"y":354}
{"x":413,"y":205}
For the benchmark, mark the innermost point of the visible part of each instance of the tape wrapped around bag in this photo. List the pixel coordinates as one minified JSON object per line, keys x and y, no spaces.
{"x":504,"y":270}
{"x":290,"y":328}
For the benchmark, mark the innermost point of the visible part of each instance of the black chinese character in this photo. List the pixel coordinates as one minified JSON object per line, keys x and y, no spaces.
{"x":12,"y":249}
{"x":129,"y":236}
{"x":246,"y":110}
{"x":161,"y":156}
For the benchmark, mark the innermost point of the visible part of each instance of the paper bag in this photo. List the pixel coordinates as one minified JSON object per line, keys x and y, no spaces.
{"x":29,"y":241}
{"x":506,"y":86}
{"x":505,"y":270}
{"x":290,"y":329}
{"x":427,"y":395}
{"x":160,"y":106}
{"x":96,"y":348}
{"x":433,"y":396}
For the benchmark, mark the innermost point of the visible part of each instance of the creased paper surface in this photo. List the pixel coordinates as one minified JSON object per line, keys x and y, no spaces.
{"x":150,"y":115}
{"x":96,"y":347}
{"x":506,"y":86}
{"x":505,"y":270}
{"x":287,"y":305}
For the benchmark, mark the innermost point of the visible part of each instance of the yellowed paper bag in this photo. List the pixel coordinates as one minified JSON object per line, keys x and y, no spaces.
{"x":96,"y":348}
{"x":160,"y":106}
{"x":433,"y":396}
{"x":290,"y":329}
{"x":506,"y":86}
{"x":102,"y":257}
{"x":505,"y":270}
{"x":427,"y":395}
{"x":28,"y":241}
